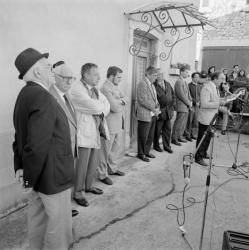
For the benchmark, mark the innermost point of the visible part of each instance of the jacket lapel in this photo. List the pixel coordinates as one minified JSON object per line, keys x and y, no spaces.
{"x":151,"y":90}
{"x":63,"y":105}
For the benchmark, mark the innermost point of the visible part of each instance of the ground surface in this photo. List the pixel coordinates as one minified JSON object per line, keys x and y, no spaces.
{"x":132,"y":213}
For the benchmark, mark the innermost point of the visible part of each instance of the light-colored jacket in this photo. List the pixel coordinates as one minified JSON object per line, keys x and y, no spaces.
{"x":114,"y":96}
{"x":86,"y":107}
{"x":209,"y":103}
{"x":146,"y":100}
{"x":72,"y":121}
{"x":183,"y":97}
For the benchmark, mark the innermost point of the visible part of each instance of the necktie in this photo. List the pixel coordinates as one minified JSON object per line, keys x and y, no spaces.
{"x":69,"y":106}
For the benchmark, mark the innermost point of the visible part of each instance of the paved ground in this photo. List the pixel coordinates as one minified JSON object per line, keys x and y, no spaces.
{"x":132,"y":213}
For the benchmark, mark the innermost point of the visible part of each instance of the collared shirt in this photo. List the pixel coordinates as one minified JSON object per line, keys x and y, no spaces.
{"x":60,"y":93}
{"x":152,"y":87}
{"x":42,"y":85}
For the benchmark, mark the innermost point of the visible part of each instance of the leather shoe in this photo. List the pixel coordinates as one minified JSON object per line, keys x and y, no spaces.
{"x":94,"y":190}
{"x":118,"y":172}
{"x":158,"y":149}
{"x":143,"y":158}
{"x":193,"y":137}
{"x":107,"y":181}
{"x":176,"y":143}
{"x":151,"y":156}
{"x":169,"y":150}
{"x":74,"y":212}
{"x":201,"y":162}
{"x":182,"y":140}
{"x":82,"y":202}
{"x":206,"y":156}
{"x":189,"y":139}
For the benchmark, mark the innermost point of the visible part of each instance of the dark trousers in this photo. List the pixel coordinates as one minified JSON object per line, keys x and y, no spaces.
{"x":192,"y":123}
{"x":162,"y":127}
{"x":202,"y":151}
{"x":145,"y":135}
{"x":179,"y":125}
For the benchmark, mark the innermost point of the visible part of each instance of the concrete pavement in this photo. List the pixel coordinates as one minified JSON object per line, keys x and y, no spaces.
{"x":132,"y":213}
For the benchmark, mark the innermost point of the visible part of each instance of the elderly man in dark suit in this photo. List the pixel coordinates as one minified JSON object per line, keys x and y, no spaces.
{"x":166,"y":99}
{"x":147,"y":113}
{"x":43,"y":156}
{"x":183,"y":105}
{"x":63,"y":81}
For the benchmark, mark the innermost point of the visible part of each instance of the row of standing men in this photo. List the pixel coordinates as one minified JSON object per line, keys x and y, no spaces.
{"x":64,"y":132}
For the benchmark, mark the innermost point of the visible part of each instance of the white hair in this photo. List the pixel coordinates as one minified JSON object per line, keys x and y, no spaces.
{"x":30,"y":75}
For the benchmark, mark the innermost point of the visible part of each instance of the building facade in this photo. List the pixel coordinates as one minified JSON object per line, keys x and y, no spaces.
{"x":77,"y":32}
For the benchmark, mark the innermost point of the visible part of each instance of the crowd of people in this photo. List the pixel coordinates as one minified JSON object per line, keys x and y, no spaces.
{"x":194,"y":103}
{"x":66,"y":131}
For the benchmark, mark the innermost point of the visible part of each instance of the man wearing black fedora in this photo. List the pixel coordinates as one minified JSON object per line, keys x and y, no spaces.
{"x":43,"y":158}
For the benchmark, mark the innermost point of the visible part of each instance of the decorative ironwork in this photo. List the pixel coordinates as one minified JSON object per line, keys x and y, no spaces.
{"x":177,"y":37}
{"x":161,"y":19}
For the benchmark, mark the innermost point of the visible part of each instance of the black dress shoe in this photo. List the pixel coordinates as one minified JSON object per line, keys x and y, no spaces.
{"x":74,"y":212}
{"x":158,"y":149}
{"x":182,"y":140}
{"x":206,"y":156}
{"x":201,"y":162}
{"x":118,"y":172}
{"x":107,"y":181}
{"x":169,"y":150}
{"x":176,"y":143}
{"x":189,"y":139}
{"x":82,"y":202}
{"x":143,"y":158}
{"x":94,"y":190}
{"x":151,"y":156}
{"x":193,"y":137}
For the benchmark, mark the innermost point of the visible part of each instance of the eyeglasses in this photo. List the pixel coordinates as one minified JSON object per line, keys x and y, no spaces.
{"x":68,"y":78}
{"x":58,"y":64}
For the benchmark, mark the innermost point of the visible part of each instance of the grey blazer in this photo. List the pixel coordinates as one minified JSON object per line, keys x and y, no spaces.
{"x":72,"y":121}
{"x":146,"y":100}
{"x":115,"y":117}
{"x":183,"y":97}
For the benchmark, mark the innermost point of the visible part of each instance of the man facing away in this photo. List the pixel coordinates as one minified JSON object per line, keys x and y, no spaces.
{"x":209,"y":104}
{"x":110,"y":149}
{"x":192,"y":123}
{"x":183,"y":105}
{"x":43,"y":156}
{"x":147,"y":113}
{"x":166,"y":99}
{"x":63,"y":81}
{"x":91,"y":108}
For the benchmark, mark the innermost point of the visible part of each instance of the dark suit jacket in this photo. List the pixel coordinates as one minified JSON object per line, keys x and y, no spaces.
{"x":42,"y":146}
{"x":166,"y":99}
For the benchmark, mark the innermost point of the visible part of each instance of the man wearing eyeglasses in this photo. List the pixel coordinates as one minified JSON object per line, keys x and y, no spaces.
{"x":63,"y":81}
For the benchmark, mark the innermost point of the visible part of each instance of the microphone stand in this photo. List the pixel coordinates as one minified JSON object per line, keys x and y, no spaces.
{"x":211,"y":130}
{"x":235,"y":166}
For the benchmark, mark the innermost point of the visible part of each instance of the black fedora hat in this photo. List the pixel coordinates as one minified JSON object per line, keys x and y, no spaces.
{"x":26,"y":59}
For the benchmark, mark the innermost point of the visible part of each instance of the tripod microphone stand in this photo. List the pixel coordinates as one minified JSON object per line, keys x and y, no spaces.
{"x":235,"y":166}
{"x":210,"y":130}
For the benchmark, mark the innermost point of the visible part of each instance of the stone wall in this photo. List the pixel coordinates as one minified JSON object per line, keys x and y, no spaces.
{"x":234,"y":26}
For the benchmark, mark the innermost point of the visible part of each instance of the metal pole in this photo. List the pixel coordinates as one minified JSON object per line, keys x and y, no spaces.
{"x":207,"y":188}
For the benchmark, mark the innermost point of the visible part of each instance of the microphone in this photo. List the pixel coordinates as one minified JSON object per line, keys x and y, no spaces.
{"x":187,"y":160}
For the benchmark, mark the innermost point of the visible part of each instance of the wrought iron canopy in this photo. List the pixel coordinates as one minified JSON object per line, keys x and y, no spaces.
{"x":177,"y":19}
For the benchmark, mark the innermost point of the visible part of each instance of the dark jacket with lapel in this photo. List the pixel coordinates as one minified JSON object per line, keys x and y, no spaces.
{"x":166,"y":99}
{"x":42,"y":146}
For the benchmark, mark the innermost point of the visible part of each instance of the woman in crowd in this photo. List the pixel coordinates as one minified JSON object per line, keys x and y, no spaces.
{"x":211,"y":70}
